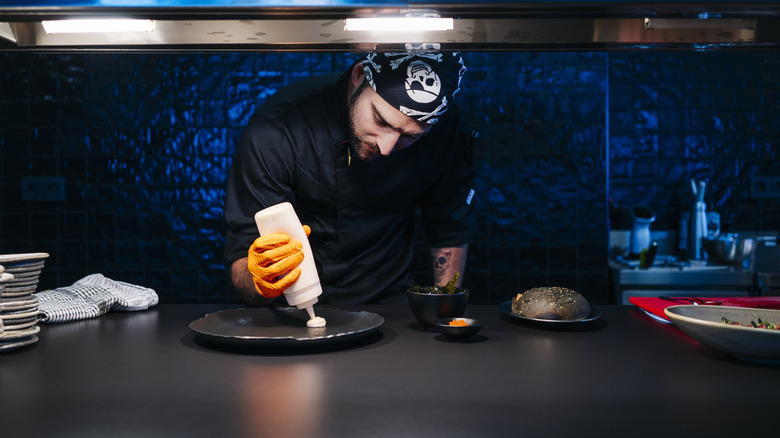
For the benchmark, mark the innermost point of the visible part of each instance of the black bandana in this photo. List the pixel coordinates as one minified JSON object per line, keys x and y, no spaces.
{"x":419,"y":84}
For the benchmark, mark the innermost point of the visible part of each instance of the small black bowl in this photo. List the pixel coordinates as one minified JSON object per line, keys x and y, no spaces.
{"x":456,"y":331}
{"x":427,"y":307}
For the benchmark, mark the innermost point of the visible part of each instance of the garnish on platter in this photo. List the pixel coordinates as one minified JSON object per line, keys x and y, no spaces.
{"x":765,"y":325}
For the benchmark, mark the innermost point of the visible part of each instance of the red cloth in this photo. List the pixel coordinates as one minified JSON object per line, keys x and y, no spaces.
{"x":656,"y":305}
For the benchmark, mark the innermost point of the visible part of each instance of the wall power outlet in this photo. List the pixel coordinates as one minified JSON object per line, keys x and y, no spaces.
{"x":43,"y":189}
{"x":765,"y":187}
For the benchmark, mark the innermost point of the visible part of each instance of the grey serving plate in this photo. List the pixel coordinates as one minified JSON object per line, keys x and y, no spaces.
{"x":284,"y":327}
{"x":704,"y":323}
{"x":506,"y":309}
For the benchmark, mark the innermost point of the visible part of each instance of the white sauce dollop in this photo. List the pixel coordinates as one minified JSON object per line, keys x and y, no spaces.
{"x":317,"y":321}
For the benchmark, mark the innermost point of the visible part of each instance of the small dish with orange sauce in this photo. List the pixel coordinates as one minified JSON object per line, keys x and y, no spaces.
{"x":457,"y":328}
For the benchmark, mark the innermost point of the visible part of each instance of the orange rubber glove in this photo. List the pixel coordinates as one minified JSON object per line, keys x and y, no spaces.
{"x":273,"y":261}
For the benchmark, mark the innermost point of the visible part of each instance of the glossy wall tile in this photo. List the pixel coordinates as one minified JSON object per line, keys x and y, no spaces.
{"x":144,"y":143}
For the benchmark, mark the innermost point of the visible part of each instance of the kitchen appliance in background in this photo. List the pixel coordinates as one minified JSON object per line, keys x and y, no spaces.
{"x":640,"y":234}
{"x":713,"y":224}
{"x":697,"y":221}
{"x":766,"y":264}
{"x":731,"y":249}
{"x":713,"y":231}
{"x":677,"y":281}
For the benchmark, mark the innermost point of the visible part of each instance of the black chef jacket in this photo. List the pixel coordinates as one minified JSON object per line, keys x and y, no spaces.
{"x":295,"y":148}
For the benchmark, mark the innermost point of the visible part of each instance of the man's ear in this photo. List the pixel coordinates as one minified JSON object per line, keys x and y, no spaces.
{"x":358,"y":75}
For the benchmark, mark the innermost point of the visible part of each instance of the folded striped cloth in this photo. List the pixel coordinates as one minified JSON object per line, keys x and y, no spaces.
{"x":90,"y":297}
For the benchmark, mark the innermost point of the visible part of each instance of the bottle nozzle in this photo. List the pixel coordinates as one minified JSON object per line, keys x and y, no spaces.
{"x":314,"y":321}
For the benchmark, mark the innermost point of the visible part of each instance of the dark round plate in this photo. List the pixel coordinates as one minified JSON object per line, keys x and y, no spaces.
{"x":506,"y":310}
{"x":284,"y":327}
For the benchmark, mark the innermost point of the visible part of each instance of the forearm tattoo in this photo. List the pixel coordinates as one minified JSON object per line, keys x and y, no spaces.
{"x":441,"y":262}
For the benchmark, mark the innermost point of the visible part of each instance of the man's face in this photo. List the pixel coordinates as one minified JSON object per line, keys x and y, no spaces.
{"x":378,"y":128}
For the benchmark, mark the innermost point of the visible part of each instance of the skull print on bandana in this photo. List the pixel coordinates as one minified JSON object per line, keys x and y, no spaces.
{"x":422,"y":83}
{"x":418,"y":84}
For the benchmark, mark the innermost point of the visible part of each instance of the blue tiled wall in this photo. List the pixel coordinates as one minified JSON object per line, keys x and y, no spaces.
{"x":144,"y":143}
{"x":708,"y":116}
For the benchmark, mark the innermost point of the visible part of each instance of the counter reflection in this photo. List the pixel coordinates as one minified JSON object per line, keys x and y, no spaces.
{"x":281,"y":401}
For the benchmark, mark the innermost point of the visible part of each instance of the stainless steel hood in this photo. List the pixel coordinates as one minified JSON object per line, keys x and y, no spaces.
{"x":319,"y":25}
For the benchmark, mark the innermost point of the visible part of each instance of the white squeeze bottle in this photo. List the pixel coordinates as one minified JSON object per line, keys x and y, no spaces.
{"x":304,"y":293}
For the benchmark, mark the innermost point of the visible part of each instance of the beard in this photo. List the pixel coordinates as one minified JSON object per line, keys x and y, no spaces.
{"x":364,"y":149}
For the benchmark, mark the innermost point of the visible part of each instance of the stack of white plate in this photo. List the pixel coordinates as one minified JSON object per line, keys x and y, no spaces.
{"x":18,"y":306}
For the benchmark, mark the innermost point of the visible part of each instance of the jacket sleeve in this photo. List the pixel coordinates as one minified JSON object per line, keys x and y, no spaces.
{"x":261,"y":175}
{"x":448,"y":207}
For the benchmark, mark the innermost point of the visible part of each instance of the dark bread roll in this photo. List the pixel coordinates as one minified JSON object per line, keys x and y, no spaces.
{"x":557,"y":303}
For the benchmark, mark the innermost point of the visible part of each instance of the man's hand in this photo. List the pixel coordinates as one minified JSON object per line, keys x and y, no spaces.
{"x":273,"y":261}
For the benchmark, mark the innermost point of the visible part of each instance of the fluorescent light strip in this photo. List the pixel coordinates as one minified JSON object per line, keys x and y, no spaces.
{"x":398,"y":24}
{"x":98,"y":26}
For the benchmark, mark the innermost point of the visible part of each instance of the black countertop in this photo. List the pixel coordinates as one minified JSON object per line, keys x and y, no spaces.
{"x":146,"y":374}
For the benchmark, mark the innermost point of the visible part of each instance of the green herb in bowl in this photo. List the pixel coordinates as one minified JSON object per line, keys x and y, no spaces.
{"x":447,"y":289}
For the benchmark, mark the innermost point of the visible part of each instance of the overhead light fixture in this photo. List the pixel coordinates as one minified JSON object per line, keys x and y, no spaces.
{"x":704,"y":22}
{"x":98,"y":25}
{"x":398,"y":24}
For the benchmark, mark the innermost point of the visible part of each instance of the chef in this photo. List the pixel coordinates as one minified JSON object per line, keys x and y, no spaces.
{"x":357,"y":154}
